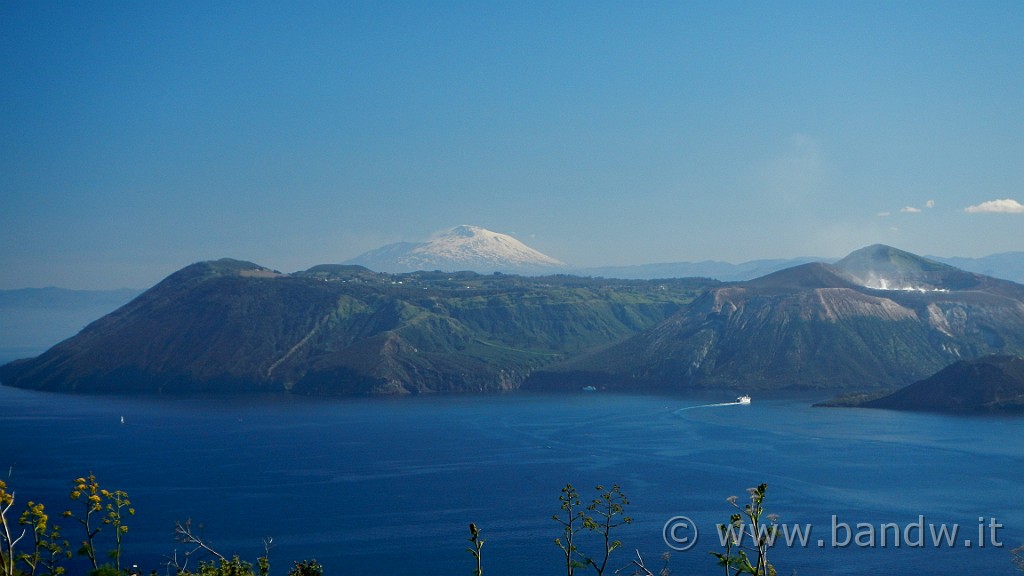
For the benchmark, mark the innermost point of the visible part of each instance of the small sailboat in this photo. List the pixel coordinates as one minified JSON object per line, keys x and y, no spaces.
{"x":122,"y":419}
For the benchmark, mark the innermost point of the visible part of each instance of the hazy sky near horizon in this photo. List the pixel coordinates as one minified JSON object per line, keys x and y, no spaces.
{"x":139,"y":137}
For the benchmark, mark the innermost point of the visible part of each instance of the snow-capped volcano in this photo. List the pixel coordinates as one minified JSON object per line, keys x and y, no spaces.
{"x":460,"y":248}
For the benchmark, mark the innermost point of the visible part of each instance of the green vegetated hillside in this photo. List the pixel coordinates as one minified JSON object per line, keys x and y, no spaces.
{"x":235,"y":326}
{"x":878,"y":318}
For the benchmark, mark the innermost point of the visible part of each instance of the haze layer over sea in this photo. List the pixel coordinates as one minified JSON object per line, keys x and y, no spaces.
{"x":390,"y":485}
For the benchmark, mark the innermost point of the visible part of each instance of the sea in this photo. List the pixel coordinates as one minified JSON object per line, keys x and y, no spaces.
{"x":390,"y":485}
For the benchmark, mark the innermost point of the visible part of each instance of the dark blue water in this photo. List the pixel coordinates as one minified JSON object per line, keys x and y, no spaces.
{"x":390,"y":485}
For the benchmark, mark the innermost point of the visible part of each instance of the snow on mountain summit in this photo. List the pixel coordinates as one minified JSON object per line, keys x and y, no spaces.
{"x":470,"y":243}
{"x":460,"y":248}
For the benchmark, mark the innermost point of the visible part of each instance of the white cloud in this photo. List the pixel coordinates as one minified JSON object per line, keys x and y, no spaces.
{"x":929,"y":204}
{"x":910,"y":209}
{"x":1006,"y":206}
{"x":884,"y":214}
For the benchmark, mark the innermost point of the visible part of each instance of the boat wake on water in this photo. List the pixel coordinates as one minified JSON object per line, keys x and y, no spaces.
{"x":741,"y":401}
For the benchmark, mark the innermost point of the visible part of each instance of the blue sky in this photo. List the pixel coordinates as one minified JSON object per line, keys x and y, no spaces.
{"x":139,"y":137}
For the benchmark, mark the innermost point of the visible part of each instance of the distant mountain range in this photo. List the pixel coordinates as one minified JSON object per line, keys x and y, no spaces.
{"x":34,"y":319}
{"x":880,"y":318}
{"x":723,"y":271}
{"x":471,"y":248}
{"x":1007,"y":265}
